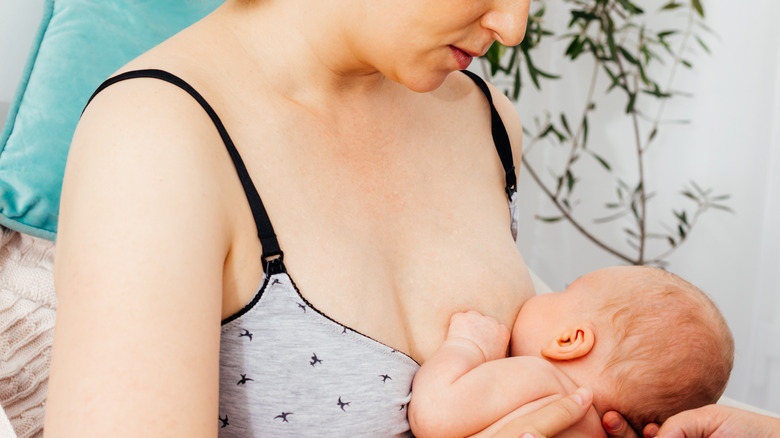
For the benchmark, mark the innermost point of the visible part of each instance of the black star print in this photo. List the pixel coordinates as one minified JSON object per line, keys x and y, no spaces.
{"x":244,"y":379}
{"x":385,"y":377}
{"x":283,"y":416}
{"x":394,"y":350}
{"x":344,"y":331}
{"x":302,"y":306}
{"x":314,"y":360}
{"x":224,"y":421}
{"x":342,"y":404}
{"x":246,"y":333}
{"x":275,"y":282}
{"x":402,"y":407}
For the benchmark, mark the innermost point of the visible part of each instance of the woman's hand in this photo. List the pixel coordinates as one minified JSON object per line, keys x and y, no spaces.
{"x":551,"y":419}
{"x":617,"y":427}
{"x":716,"y":421}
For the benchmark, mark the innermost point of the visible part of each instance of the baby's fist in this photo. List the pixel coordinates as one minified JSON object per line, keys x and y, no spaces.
{"x":489,"y":335}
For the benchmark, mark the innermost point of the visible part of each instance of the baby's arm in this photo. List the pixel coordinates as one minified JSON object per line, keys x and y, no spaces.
{"x":443,"y":401}
{"x":456,"y":393}
{"x":469,"y":384}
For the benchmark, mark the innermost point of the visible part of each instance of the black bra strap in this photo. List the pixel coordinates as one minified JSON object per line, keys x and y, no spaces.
{"x":500,"y":137}
{"x":265,"y":230}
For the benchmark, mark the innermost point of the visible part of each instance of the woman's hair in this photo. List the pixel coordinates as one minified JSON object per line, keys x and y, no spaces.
{"x":673,"y":350}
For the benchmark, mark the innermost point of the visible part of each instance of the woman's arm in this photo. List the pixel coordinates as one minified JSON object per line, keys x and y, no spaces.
{"x":138,"y":271}
{"x":719,"y":421}
{"x":711,"y":421}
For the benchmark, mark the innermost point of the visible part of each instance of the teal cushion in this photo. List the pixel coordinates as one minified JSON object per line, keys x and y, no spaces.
{"x":79,"y":44}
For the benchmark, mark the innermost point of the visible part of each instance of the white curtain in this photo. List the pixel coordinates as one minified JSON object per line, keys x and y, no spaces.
{"x":732,"y":144}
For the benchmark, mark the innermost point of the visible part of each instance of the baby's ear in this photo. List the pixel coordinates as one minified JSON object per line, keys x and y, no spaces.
{"x":572,"y":343}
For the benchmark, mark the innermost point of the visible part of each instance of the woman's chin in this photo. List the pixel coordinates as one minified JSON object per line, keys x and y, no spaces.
{"x":424,"y":82}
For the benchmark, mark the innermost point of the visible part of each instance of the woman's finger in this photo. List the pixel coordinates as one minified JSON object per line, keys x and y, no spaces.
{"x":651,"y":430}
{"x":616,"y":426}
{"x":551,"y":419}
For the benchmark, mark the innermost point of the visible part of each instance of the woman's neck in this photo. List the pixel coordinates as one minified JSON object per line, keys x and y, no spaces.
{"x":305,"y":55}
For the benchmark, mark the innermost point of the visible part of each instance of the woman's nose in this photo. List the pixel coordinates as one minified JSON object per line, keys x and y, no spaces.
{"x":507,"y":19}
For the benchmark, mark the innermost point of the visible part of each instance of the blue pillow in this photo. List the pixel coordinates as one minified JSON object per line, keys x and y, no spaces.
{"x":79,"y":44}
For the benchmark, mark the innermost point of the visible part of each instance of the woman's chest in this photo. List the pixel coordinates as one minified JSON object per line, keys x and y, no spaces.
{"x":389,"y":236}
{"x":397,"y":277}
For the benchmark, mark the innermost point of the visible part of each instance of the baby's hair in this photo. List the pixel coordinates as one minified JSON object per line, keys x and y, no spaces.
{"x":673,"y":350}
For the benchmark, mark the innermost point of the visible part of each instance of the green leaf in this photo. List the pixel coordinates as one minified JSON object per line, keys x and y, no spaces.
{"x":494,"y":55}
{"x":575,"y":48}
{"x":671,"y":5}
{"x":629,"y":57}
{"x":652,"y":135}
{"x":671,"y":241}
{"x":630,"y":7}
{"x":697,"y":5}
{"x":634,"y":210}
{"x":610,"y":218}
{"x":721,"y":207}
{"x":686,"y":63}
{"x":681,"y":217}
{"x":681,"y":231}
{"x":689,"y":195}
{"x":584,"y":15}
{"x":565,"y":124}
{"x":570,"y":180}
{"x":601,"y":160}
{"x":585,"y":132}
{"x":631,"y":103}
{"x":703,"y":46}
{"x":664,"y":34}
{"x":549,"y":219}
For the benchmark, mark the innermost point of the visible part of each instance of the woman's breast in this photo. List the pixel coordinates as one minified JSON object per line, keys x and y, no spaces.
{"x":287,"y":369}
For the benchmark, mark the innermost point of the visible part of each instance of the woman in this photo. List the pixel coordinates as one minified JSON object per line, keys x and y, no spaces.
{"x":382,"y":183}
{"x":382,"y":192}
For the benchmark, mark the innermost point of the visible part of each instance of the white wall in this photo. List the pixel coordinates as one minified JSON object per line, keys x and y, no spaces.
{"x":732,"y":144}
{"x":19,"y":21}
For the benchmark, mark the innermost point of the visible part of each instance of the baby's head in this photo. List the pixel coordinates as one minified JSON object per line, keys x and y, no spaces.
{"x":647,"y":342}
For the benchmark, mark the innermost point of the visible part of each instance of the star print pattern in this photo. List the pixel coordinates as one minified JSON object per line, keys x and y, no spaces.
{"x":244,"y":379}
{"x":330,"y":382}
{"x":342,"y":404}
{"x":283,"y":416}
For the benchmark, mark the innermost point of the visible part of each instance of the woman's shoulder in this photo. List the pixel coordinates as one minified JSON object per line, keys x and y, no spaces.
{"x":462,"y":89}
{"x":149,"y":141}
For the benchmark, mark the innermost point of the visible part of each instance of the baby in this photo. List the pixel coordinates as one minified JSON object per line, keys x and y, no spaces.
{"x":648,"y":343}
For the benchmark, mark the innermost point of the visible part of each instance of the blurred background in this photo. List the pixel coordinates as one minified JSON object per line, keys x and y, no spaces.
{"x":730,"y":144}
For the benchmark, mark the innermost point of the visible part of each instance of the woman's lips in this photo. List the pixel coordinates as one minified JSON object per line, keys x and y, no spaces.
{"x":463,"y":59}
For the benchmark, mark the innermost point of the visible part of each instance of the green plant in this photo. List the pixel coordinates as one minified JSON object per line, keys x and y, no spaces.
{"x":616,"y":37}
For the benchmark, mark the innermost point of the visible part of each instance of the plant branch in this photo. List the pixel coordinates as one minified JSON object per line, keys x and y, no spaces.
{"x":675,"y":64}
{"x":571,"y":219}
{"x":581,"y":127}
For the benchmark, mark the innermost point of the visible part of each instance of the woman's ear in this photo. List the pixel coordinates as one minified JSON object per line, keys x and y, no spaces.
{"x":572,"y":343}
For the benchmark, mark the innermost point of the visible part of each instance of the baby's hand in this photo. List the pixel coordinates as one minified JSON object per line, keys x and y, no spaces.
{"x":488,"y":335}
